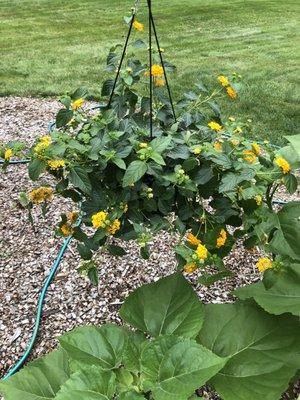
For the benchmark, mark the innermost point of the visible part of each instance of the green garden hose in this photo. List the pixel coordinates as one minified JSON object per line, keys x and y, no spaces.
{"x":42,"y":296}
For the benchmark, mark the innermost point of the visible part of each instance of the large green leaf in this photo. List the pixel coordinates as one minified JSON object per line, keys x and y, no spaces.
{"x":134,"y":172}
{"x":282,"y":297}
{"x":101,"y":346}
{"x":287,"y":237}
{"x":263,"y":350}
{"x":295,"y":142}
{"x":167,"y":306}
{"x":90,"y":383}
{"x":80,"y":179}
{"x":40,"y":380}
{"x":35,"y":168}
{"x":173,"y":367}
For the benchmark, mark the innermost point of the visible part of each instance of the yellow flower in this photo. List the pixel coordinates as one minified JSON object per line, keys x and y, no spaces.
{"x":223,"y":80}
{"x":202,"y":252}
{"x":159,"y":82}
{"x":231,"y":119}
{"x":197,"y":150}
{"x":231,"y":92}
{"x":249,"y":156}
{"x":221,"y":240}
{"x":193,"y":240}
{"x":234,"y":142}
{"x":156,"y":70}
{"x":218,"y":146}
{"x":73,"y":216}
{"x":8,"y":154}
{"x":114,"y":227}
{"x":66,"y":230}
{"x":238,"y":130}
{"x":258,"y":198}
{"x":43,"y":143}
{"x":77,"y":104}
{"x":41,"y":194}
{"x":99,"y":219}
{"x":263,"y":264}
{"x":256,"y":148}
{"x":190,"y":268}
{"x":283,"y":164}
{"x":56,"y":164}
{"x":138,"y":26}
{"x":214,"y":126}
{"x":143,"y":145}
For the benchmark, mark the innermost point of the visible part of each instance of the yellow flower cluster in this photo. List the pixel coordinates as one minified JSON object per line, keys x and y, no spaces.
{"x":218,"y":146}
{"x":77,"y":104}
{"x":143,"y":145}
{"x":214,"y":126}
{"x":113,"y":228}
{"x":263,"y":264}
{"x":138,"y":26}
{"x":197,"y":151}
{"x":192,"y":239}
{"x":66,"y":230}
{"x":43,"y":143}
{"x":124,"y":207}
{"x":283,"y":164}
{"x":256,"y":149}
{"x":159,"y":82}
{"x":202,"y":252}
{"x":190,"y":268}
{"x":156,"y":70}
{"x":221,"y":240}
{"x":41,"y":194}
{"x":224,"y":81}
{"x":231,"y":92}
{"x":99,"y":219}
{"x":249,"y":156}
{"x":73,"y":216}
{"x":258,"y":198}
{"x":8,"y":154}
{"x":56,"y":164}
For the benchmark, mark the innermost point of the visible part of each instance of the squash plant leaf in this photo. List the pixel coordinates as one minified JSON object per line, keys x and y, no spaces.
{"x":174,"y":308}
{"x":262,"y":349}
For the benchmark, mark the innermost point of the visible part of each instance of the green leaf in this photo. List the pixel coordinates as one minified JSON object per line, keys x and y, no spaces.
{"x":287,"y":238}
{"x":175,"y":367}
{"x":134,"y":172}
{"x":80,"y":179}
{"x":63,"y":117}
{"x":295,"y":142}
{"x":107,"y":87}
{"x":119,"y":162}
{"x":84,"y":251}
{"x":262,"y":349}
{"x":202,"y":176}
{"x":132,"y":354}
{"x":145,"y":252}
{"x":291,"y":183}
{"x":93,"y":276}
{"x":116,"y":250}
{"x":167,"y":306}
{"x":208,"y":280}
{"x":157,"y":158}
{"x":282,"y":297}
{"x":101,"y":346}
{"x":35,"y":168}
{"x":160,"y":144}
{"x":131,"y":396}
{"x":40,"y":380}
{"x":89,"y":384}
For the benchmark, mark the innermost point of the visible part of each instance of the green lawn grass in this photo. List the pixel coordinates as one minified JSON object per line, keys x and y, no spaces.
{"x":51,"y":46}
